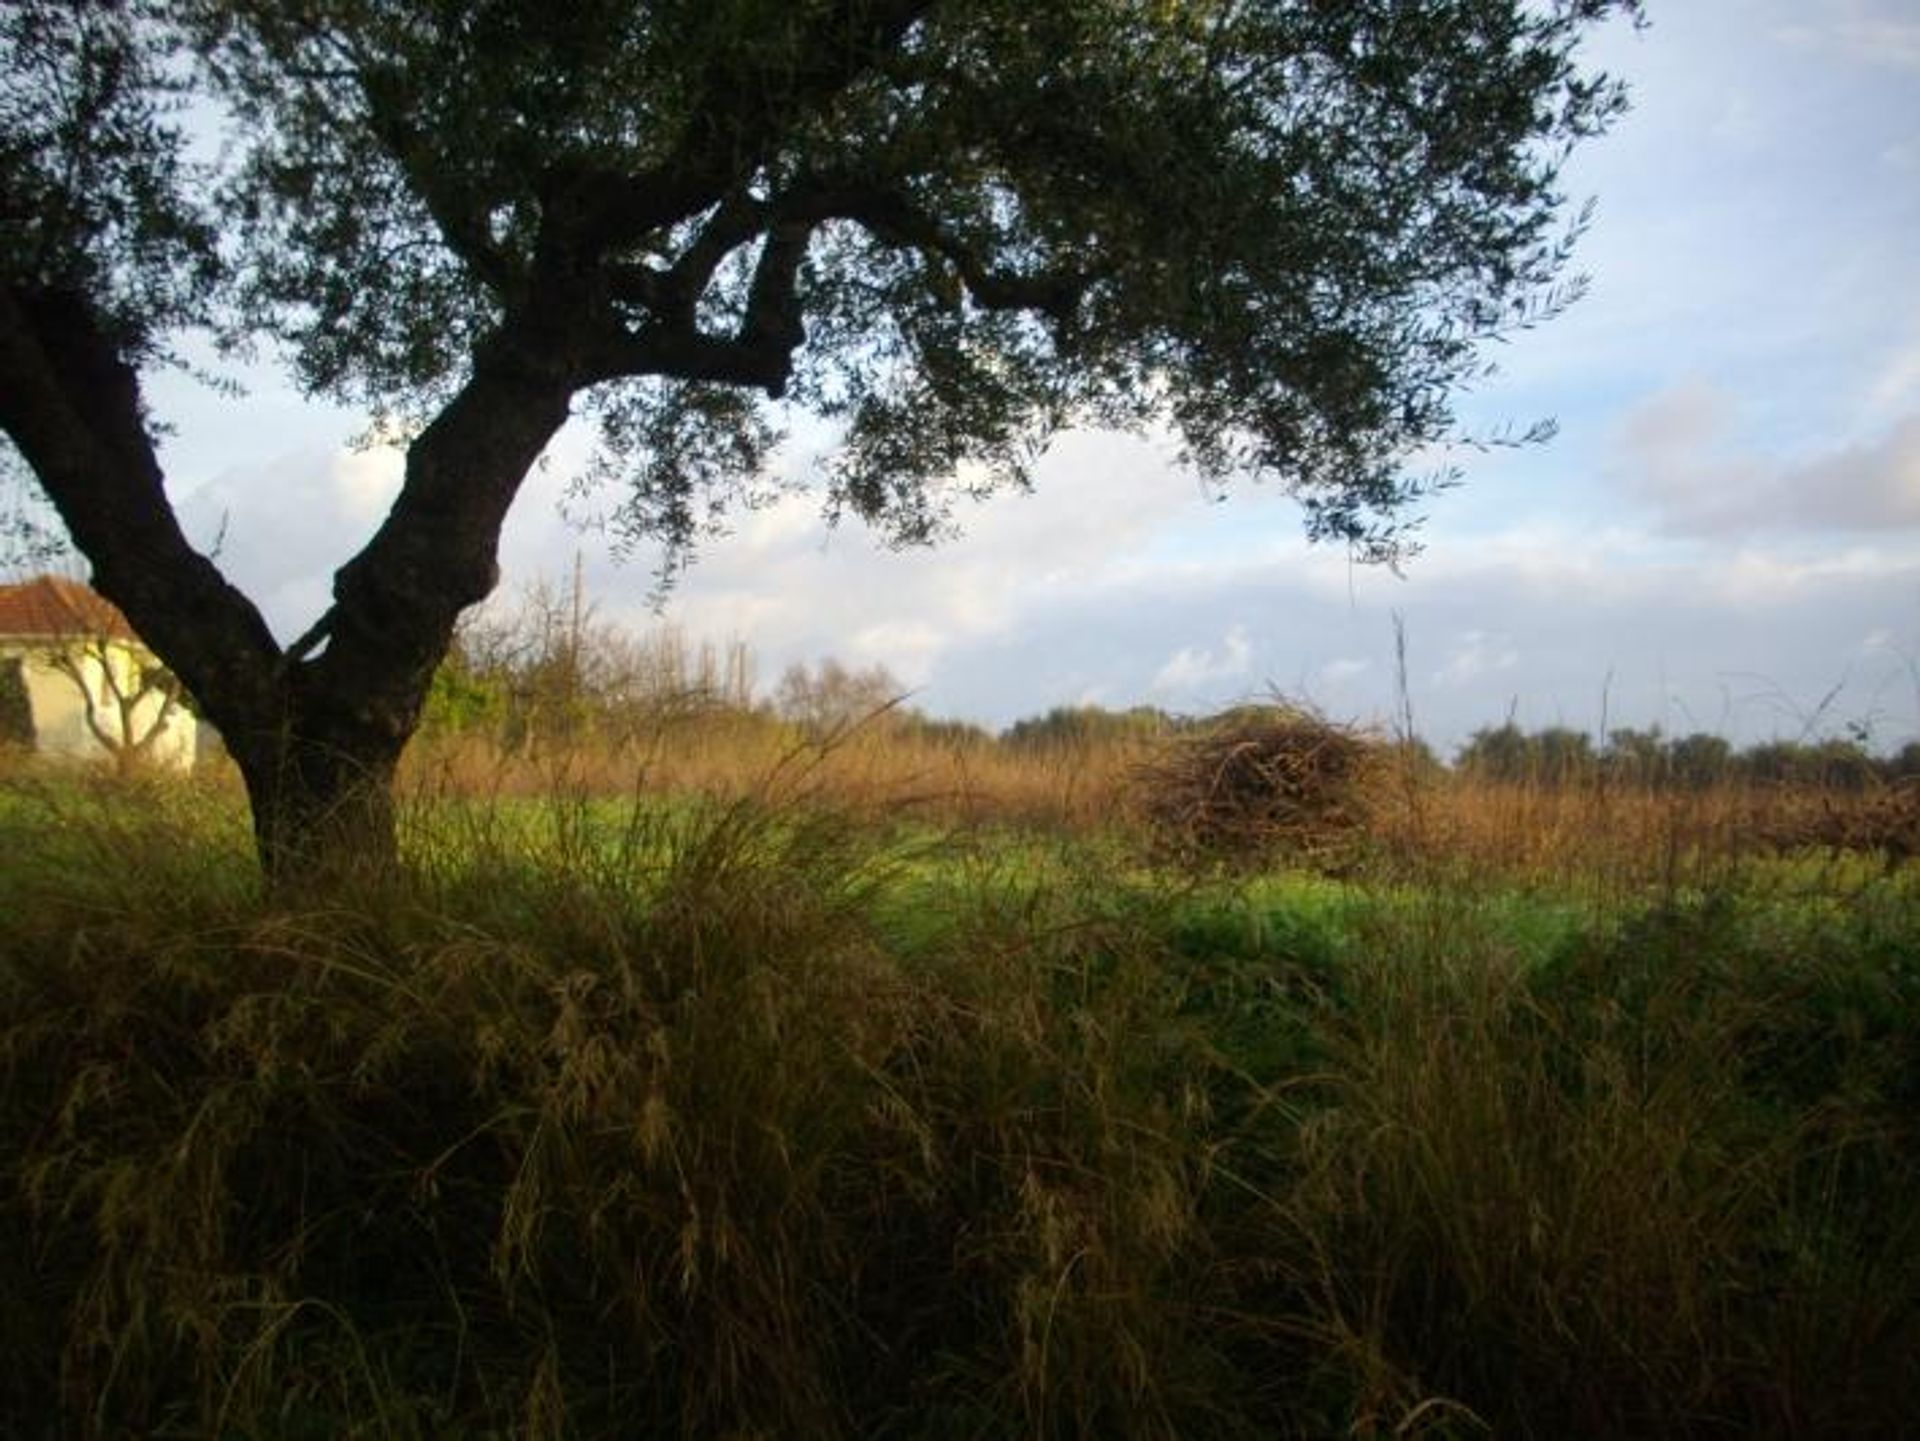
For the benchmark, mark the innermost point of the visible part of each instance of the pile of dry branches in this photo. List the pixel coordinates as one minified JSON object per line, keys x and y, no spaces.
{"x":1261,"y":782}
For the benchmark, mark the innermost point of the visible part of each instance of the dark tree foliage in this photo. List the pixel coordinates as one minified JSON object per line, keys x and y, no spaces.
{"x":1700,"y":760}
{"x":1500,"y":753}
{"x":1557,"y":756}
{"x":1285,"y":230}
{"x":1904,"y":765}
{"x":1087,"y":725}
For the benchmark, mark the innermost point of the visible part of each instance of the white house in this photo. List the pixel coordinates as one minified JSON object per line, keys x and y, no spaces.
{"x":76,"y":682}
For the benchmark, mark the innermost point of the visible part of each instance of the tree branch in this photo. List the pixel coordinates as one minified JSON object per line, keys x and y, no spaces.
{"x":683,"y":353}
{"x":761,"y":350}
{"x":672,"y":294}
{"x":890,"y":217}
{"x":72,"y":406}
{"x":461,"y":224}
{"x":613,"y":210}
{"x":760,"y":353}
{"x":773,"y":321}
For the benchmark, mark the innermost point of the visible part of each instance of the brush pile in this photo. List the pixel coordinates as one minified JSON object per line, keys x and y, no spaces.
{"x":1261,"y":782}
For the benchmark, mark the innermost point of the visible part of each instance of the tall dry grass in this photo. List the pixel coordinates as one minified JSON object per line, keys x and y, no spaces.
{"x":1646,"y":1190}
{"x":681,"y":1132}
{"x":749,"y":1106}
{"x":876,"y":769}
{"x":1414,"y":820}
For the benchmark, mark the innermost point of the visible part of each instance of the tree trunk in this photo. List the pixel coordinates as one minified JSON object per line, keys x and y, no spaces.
{"x":322,"y":803}
{"x":317,"y":729}
{"x":322,"y":823}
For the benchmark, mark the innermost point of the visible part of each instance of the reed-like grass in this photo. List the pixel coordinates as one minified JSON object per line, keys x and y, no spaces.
{"x":770,"y":1110}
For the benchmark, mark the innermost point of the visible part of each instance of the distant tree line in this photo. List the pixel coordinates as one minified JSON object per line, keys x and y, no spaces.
{"x":1559,"y":755}
{"x":552,"y":673}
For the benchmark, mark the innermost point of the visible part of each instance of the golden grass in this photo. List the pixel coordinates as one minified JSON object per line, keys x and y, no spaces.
{"x":872,"y":769}
{"x":1413,"y":819}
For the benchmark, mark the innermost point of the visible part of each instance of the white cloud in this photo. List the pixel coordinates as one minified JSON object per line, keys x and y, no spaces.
{"x":1191,"y":667}
{"x":1902,"y":154}
{"x":283,"y":524}
{"x":367,"y":482}
{"x":908,"y":648}
{"x":1757,"y":582}
{"x":1475,"y":655}
{"x":1896,"y":388}
{"x":1115,"y":584}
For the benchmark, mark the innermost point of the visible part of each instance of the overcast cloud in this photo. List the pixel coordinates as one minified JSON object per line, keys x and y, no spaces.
{"x":1681,"y":455}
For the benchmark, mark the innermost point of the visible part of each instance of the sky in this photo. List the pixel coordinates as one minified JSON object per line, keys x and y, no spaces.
{"x":1724,"y":535}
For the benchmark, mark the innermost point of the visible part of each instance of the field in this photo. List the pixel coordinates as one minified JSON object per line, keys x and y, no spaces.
{"x":887,"y":1088}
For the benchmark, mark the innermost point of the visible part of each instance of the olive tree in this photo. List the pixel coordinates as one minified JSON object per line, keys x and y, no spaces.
{"x":1282,"y":229}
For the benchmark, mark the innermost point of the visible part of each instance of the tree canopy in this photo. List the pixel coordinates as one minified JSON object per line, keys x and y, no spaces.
{"x":1284,"y":230}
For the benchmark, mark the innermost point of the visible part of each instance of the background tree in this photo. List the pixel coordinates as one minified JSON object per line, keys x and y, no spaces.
{"x":548,"y":672}
{"x":1561,"y":755}
{"x":1497,"y":753}
{"x":1700,"y":760}
{"x":1066,"y":727}
{"x":1904,"y":764}
{"x":829,"y":698}
{"x":128,"y":701}
{"x":950,"y":228}
{"x":1636,"y":757}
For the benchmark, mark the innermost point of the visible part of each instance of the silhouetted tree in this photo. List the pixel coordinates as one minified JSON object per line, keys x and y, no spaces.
{"x":1086,"y":725}
{"x":1561,"y":755}
{"x":1636,"y":757}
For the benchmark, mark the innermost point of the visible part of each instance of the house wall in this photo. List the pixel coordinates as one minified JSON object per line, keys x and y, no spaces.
{"x":60,"y":709}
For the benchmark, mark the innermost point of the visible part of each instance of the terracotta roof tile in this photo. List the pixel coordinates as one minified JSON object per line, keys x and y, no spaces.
{"x":52,"y":606}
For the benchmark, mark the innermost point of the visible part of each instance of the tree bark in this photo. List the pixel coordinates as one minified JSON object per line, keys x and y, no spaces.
{"x":322,"y":803}
{"x":316,"y":729}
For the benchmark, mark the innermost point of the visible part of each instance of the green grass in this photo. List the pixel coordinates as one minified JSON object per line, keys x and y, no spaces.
{"x":752,"y":1120}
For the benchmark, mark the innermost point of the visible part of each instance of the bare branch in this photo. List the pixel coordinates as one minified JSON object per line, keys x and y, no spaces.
{"x":684,"y":353}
